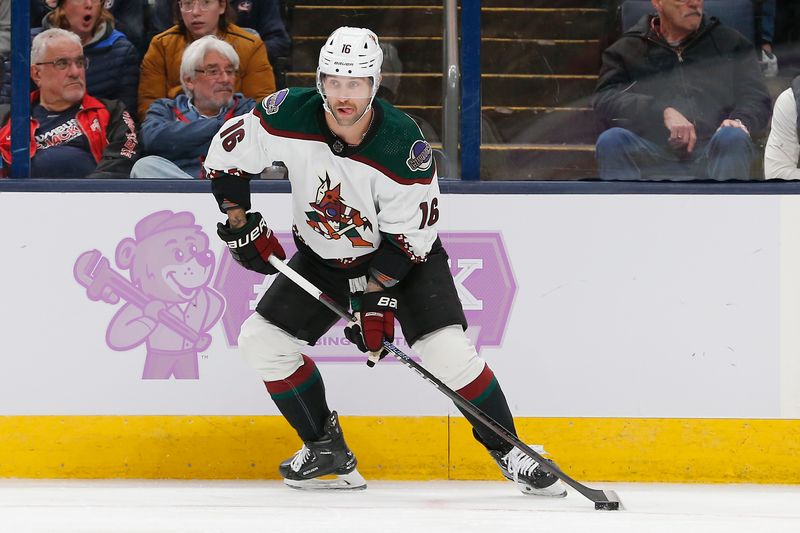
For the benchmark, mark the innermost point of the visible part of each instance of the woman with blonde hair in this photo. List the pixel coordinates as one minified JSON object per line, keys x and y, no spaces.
{"x":113,"y":63}
{"x":160,"y":75}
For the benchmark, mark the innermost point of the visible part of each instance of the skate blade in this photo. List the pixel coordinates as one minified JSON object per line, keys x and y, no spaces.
{"x":351,"y":481}
{"x":556,"y":490}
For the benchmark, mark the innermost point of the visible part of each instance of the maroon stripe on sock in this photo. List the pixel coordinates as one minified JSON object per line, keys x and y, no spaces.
{"x":300,"y":376}
{"x":478,"y":385}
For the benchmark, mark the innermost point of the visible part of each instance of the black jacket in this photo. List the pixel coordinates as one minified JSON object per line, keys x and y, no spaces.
{"x":712,"y":77}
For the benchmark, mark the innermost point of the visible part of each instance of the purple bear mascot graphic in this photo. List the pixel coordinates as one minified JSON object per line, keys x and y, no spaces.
{"x":169,"y":305}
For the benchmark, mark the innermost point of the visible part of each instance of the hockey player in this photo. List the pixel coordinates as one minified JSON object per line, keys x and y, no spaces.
{"x":365,"y":204}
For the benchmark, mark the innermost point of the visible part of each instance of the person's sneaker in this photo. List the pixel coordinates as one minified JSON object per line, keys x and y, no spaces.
{"x":525,"y":472}
{"x":326,"y":463}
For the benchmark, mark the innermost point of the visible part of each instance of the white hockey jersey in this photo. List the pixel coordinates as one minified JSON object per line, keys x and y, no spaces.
{"x":345,"y":200}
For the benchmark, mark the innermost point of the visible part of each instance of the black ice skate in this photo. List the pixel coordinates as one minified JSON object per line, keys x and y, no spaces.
{"x":524,"y":471}
{"x":326,"y":457}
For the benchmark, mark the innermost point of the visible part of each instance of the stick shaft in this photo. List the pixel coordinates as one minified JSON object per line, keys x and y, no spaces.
{"x":594,"y":495}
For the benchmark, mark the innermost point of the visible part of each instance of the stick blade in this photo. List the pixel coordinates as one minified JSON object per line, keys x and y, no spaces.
{"x":611,"y":503}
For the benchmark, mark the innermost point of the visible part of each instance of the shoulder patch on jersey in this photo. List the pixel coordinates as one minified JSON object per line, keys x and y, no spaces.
{"x":399,"y":149}
{"x":291,"y":112}
{"x":420,"y":156}
{"x":272,"y":103}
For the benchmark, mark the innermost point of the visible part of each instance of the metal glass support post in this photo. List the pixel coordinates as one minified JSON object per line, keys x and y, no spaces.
{"x":452,"y":81}
{"x":20,"y":89}
{"x":470,"y":90}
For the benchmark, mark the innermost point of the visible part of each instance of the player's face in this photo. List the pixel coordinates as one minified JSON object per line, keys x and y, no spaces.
{"x":212,"y":85}
{"x":347,"y":97}
{"x":201,"y":17}
{"x":60,"y":88}
{"x":684,"y":15}
{"x":82,"y":15}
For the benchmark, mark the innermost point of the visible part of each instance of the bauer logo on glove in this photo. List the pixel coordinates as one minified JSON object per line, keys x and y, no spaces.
{"x":251,"y":237}
{"x":252,"y":244}
{"x":374,"y":325}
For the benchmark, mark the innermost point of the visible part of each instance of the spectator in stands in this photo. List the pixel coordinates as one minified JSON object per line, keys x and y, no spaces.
{"x":113,"y":61}
{"x":5,"y":28}
{"x":161,"y":65}
{"x":73,"y":135}
{"x":129,"y":18}
{"x":5,"y":51}
{"x":765,"y":17}
{"x":39,"y":10}
{"x":683,"y":95}
{"x":782,"y":154}
{"x":787,"y":37}
{"x":263,"y":16}
{"x":177,"y":132}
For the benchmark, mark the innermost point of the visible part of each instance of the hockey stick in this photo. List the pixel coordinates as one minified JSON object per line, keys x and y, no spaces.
{"x":603,"y":500}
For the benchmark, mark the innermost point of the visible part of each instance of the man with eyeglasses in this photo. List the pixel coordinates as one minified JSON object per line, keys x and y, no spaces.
{"x":73,"y":135}
{"x":160,"y":72}
{"x":177,"y":132}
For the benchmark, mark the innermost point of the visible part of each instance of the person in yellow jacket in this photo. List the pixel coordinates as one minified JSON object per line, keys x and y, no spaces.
{"x":160,"y":75}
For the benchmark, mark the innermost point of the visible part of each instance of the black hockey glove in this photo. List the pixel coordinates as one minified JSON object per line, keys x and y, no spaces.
{"x":252,"y":244}
{"x":374,"y":324}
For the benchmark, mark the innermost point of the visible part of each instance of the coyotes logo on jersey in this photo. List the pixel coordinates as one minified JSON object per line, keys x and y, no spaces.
{"x":332,"y":218}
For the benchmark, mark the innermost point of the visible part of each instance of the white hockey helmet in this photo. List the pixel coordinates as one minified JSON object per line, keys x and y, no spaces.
{"x":352,"y":52}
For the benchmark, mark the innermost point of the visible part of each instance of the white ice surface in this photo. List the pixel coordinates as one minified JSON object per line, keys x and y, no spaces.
{"x":56,"y":506}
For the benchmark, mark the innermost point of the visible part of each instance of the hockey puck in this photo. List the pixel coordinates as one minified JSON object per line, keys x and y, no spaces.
{"x":606,"y":506}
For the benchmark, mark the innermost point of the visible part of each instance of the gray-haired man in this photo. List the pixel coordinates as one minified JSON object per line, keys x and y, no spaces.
{"x":177,"y":132}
